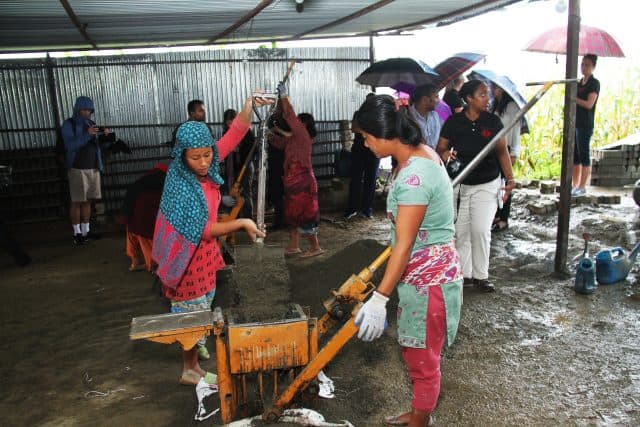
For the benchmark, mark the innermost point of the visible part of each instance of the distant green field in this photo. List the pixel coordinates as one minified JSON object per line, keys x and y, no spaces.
{"x":617,"y":116}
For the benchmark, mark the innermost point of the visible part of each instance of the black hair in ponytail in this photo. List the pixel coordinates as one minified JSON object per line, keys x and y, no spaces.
{"x":469,"y":88}
{"x":309,"y":122}
{"x":379,"y":117}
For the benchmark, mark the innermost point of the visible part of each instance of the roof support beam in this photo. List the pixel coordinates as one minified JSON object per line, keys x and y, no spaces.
{"x":76,"y":21}
{"x":256,"y":10}
{"x":347,"y":18}
{"x":478,"y":8}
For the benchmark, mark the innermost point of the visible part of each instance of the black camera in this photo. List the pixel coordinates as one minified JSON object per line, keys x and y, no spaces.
{"x":454,"y":167}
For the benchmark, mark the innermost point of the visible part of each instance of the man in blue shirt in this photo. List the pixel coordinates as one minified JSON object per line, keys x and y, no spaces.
{"x":422,"y":110}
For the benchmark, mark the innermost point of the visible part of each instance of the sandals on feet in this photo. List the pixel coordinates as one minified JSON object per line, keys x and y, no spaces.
{"x":499,"y":226}
{"x":191,"y":377}
{"x":309,"y":254}
{"x":397,"y":420}
{"x":137,"y":267}
{"x":401,"y":420}
{"x":292,"y":252}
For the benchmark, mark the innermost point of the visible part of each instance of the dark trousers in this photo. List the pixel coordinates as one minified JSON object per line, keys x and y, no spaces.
{"x":275,"y":187}
{"x":503,"y":214}
{"x":364,"y":168}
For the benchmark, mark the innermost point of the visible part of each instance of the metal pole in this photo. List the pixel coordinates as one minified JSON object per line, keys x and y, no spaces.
{"x":53,"y":95}
{"x":491,"y":145}
{"x":571,"y":89}
{"x":57,"y":123}
{"x":372,"y":56}
{"x":262,"y":170}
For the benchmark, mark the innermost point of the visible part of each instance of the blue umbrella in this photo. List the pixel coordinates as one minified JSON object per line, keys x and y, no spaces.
{"x":503,"y":81}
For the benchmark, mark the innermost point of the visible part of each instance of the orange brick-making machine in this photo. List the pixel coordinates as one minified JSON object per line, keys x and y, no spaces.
{"x":263,"y":367}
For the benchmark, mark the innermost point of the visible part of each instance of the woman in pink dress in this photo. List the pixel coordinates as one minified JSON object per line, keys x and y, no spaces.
{"x":301,"y":211}
{"x":184,"y":244}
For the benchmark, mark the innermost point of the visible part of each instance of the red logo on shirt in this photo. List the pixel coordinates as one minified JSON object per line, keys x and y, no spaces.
{"x":486,"y":133}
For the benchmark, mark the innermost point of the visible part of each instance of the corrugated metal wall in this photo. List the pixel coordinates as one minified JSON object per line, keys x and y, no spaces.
{"x":143,"y":97}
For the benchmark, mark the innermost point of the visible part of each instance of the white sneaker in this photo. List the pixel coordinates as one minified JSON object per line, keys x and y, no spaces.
{"x":578,"y":192}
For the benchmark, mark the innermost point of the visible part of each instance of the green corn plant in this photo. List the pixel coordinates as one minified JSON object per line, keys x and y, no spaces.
{"x":617,"y":116}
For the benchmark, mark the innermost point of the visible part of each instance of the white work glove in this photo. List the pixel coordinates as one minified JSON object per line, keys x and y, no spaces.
{"x":372,"y":317}
{"x":283,"y":90}
{"x":228,"y":201}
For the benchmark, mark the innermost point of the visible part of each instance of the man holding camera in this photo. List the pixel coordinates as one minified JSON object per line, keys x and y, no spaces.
{"x":84,"y":163}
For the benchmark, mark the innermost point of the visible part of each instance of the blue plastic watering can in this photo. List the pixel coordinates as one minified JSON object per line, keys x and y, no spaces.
{"x":585,"y":272}
{"x":613,"y":266}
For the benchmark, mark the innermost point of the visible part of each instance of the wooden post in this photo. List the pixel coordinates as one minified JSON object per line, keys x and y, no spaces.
{"x":568,"y":138}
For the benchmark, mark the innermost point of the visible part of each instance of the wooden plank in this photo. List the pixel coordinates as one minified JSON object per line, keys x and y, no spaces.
{"x":571,"y":90}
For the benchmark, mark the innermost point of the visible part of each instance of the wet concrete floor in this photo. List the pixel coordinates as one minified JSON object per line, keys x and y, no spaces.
{"x":533,"y":353}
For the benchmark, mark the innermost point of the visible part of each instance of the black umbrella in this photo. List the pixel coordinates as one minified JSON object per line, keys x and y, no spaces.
{"x":447,"y":70}
{"x":391,"y":71}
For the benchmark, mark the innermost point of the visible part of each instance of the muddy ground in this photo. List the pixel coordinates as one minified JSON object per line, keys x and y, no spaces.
{"x":533,"y":353}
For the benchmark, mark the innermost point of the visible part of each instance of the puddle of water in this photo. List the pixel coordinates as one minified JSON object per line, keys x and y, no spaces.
{"x":553,"y":323}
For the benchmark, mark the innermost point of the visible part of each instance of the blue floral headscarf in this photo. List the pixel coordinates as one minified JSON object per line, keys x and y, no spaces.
{"x":183,"y":203}
{"x":183,"y":211}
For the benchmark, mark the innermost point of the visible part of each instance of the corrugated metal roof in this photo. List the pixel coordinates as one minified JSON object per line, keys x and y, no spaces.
{"x":45,"y":25}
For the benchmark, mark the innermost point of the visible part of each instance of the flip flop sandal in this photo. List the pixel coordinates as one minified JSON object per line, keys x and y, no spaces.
{"x":292,"y":252}
{"x":138,"y":267}
{"x":499,"y":226}
{"x":310,"y":254}
{"x":190,"y":377}
{"x":211,"y":378}
{"x":395,"y":420}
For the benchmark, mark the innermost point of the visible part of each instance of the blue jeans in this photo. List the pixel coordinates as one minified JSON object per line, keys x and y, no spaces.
{"x":581,"y":147}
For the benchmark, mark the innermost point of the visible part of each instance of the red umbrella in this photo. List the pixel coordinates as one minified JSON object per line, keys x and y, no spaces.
{"x":591,"y":40}
{"x":447,"y":70}
{"x":455,"y":65}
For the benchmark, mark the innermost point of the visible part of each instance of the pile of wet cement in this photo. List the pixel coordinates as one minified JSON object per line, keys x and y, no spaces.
{"x":265,"y":284}
{"x":311,"y":282}
{"x":261,"y":283}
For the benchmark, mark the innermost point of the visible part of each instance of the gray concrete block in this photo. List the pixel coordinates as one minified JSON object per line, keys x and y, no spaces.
{"x":612,"y":154}
{"x":547,"y":187}
{"x":537,"y":208}
{"x":612,"y":199}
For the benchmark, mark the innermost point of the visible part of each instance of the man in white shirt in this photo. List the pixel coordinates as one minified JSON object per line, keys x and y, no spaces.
{"x":422,"y":110}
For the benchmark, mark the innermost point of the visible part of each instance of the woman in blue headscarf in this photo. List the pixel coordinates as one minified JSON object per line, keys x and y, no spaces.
{"x":184,"y":243}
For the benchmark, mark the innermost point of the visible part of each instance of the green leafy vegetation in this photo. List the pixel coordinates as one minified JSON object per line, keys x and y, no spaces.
{"x":617,"y":116}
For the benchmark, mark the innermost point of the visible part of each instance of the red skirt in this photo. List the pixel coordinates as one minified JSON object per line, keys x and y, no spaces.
{"x":300,"y":197}
{"x":200,"y":276}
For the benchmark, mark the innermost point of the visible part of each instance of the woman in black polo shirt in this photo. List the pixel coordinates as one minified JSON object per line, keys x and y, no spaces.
{"x":463,"y":136}
{"x":587,"y":97}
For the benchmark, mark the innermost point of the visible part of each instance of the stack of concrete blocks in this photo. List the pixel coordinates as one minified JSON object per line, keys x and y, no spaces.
{"x":616,"y":166}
